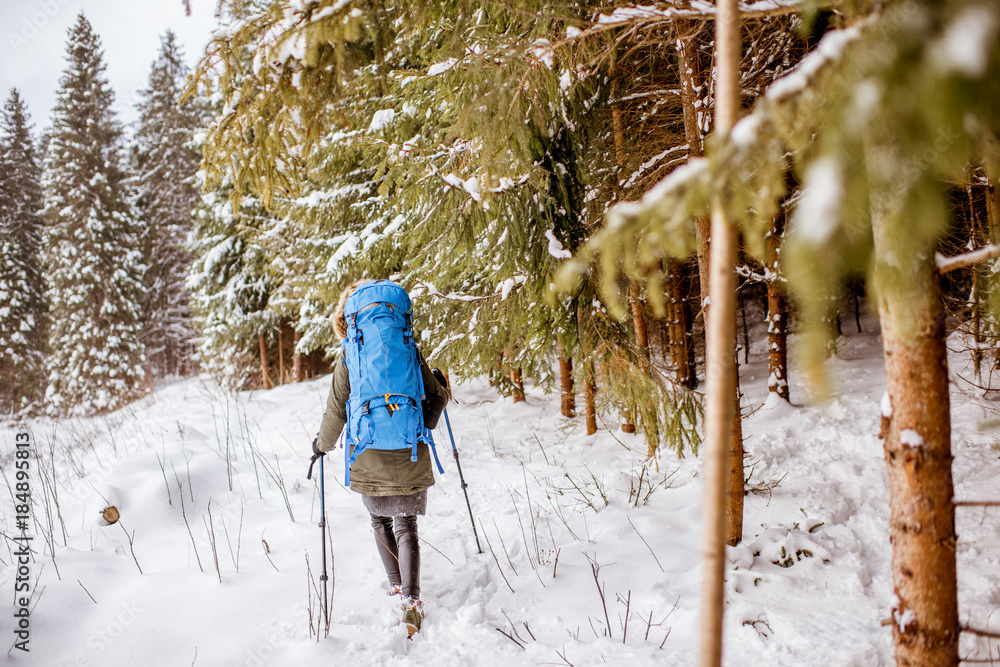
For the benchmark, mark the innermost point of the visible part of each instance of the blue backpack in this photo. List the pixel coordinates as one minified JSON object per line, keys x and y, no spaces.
{"x":384,"y":409}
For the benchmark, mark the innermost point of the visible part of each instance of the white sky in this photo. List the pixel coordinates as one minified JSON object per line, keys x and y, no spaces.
{"x":33,"y":45}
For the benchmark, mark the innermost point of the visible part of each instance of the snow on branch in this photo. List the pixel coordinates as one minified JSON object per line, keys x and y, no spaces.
{"x":424,"y":287}
{"x":639,"y":234}
{"x":697,"y":9}
{"x":829,"y":50}
{"x":783,"y":89}
{"x":947,"y":264}
{"x":745,"y":132}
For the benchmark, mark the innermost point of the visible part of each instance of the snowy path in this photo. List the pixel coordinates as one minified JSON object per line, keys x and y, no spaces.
{"x":532,"y":478}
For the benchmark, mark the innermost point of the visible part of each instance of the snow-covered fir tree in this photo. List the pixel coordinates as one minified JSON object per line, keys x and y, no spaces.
{"x":443,"y":146}
{"x":231,"y":283}
{"x":230,"y":287}
{"x":94,"y":266}
{"x":165,"y":163}
{"x":23,"y":312}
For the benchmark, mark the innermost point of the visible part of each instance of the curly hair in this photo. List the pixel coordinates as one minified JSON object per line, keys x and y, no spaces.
{"x":339,"y":321}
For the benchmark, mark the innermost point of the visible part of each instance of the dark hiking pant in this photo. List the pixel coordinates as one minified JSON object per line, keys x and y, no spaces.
{"x":399,"y":549}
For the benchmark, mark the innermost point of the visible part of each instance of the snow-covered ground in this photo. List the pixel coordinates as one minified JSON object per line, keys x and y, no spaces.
{"x":563,"y":518}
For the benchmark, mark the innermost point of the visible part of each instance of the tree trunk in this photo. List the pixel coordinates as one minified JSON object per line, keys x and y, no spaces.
{"x":734,"y":503}
{"x":691,"y":85}
{"x":977,"y":238}
{"x":518,"y":393}
{"x":642,"y":341}
{"x":777,"y":340}
{"x":169,"y":358}
{"x":689,"y":333}
{"x":678,"y":327}
{"x":297,"y":358}
{"x":977,"y":338}
{"x":309,"y":365}
{"x":264,"y":370}
{"x":777,"y":332}
{"x":993,"y":233}
{"x":993,"y":212}
{"x":589,"y":393}
{"x":917,"y":452}
{"x":639,"y":320}
{"x":720,"y":356}
{"x":745,"y":327}
{"x":281,"y":355}
{"x":628,"y":422}
{"x":568,"y":402}
{"x":616,"y":124}
{"x":692,"y":80}
{"x":856,"y":293}
{"x":662,"y":328}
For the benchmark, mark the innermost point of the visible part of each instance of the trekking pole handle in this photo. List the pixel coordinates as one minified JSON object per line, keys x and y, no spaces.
{"x":312,"y":462}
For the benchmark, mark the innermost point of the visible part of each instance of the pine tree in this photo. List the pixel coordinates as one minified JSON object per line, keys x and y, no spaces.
{"x":23,"y":315}
{"x":93,"y":262}
{"x":165,"y":164}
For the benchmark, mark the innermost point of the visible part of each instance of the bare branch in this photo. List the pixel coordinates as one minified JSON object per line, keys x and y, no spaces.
{"x":981,"y":633}
{"x":86,"y":591}
{"x":131,"y":547}
{"x":645,"y":542}
{"x":596,"y":569}
{"x":495,"y":556}
{"x":948,"y":264}
{"x":510,"y":638}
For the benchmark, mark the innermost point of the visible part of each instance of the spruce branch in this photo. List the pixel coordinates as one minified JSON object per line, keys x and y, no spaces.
{"x":991,"y":634}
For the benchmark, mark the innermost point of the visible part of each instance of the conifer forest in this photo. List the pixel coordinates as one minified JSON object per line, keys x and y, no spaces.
{"x":716,"y":283}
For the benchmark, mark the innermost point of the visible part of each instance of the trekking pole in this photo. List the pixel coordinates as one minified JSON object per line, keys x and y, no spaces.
{"x":322,"y":528}
{"x":461,"y":478}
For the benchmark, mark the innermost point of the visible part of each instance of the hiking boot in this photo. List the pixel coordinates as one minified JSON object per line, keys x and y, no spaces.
{"x":395,"y":589}
{"x":413,"y":614}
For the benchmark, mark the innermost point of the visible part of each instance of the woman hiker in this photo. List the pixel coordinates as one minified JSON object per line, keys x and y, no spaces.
{"x":393,"y":483}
